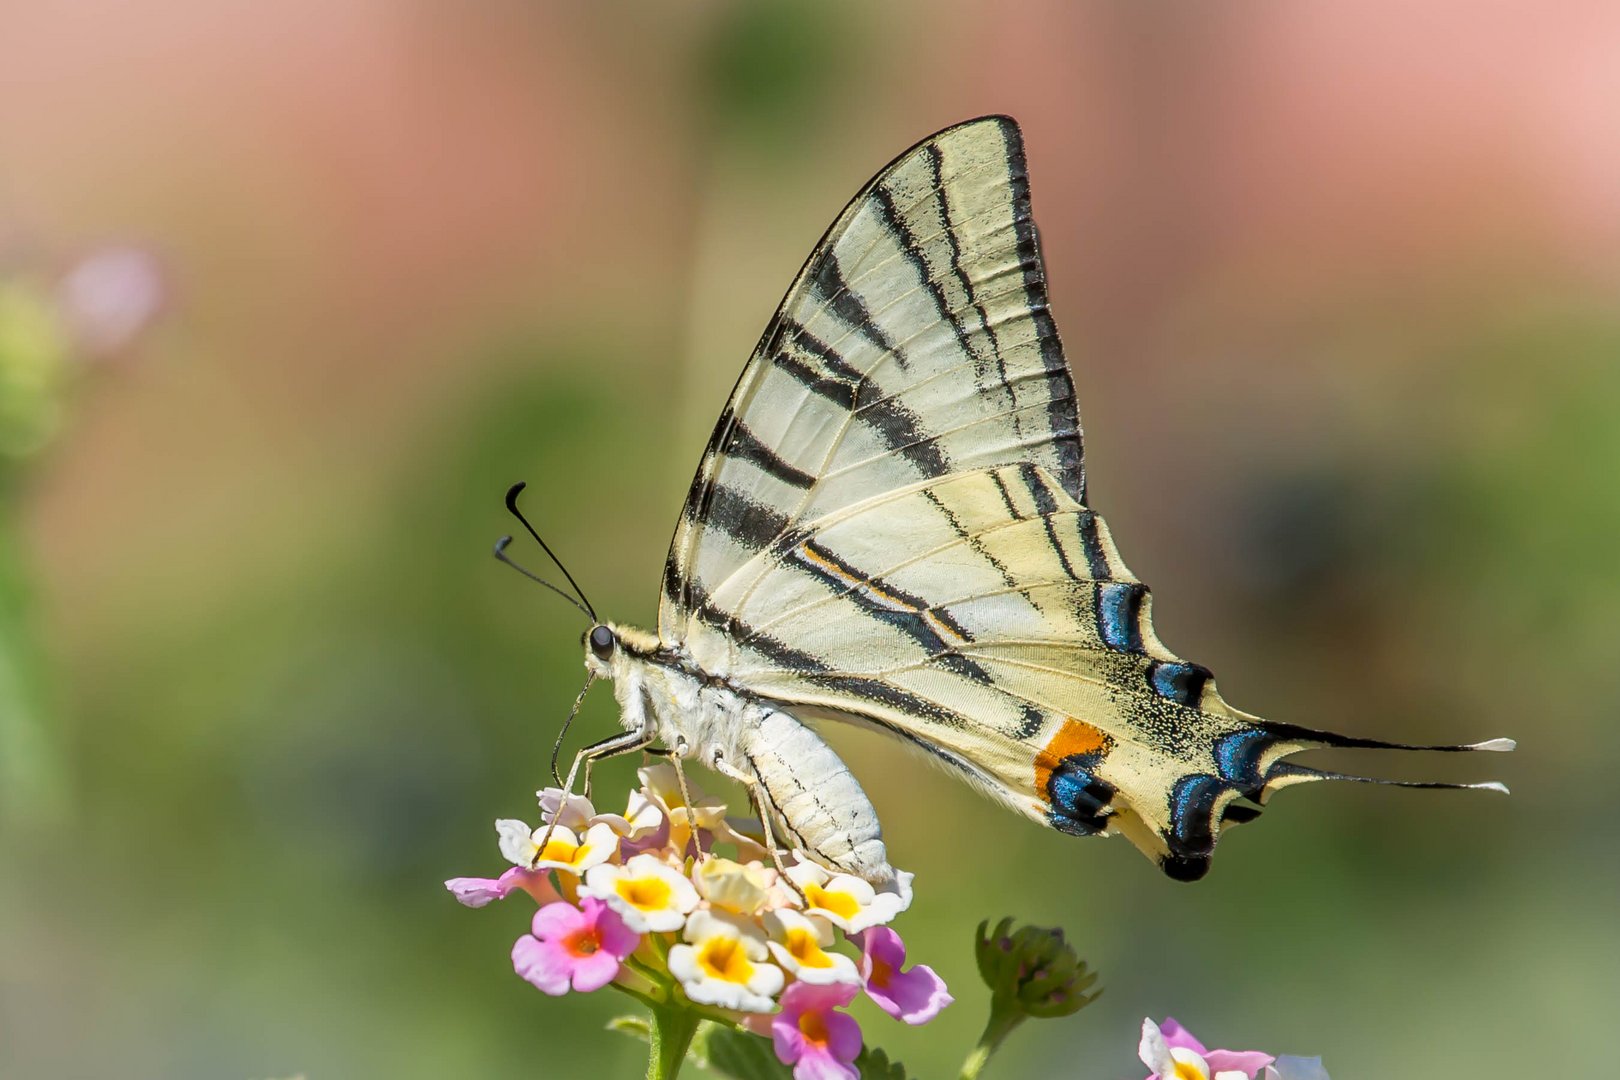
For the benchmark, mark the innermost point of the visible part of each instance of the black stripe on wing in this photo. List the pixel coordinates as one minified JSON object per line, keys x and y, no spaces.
{"x":744,"y":445}
{"x":833,"y":378}
{"x":834,"y":293}
{"x":935,"y":630}
{"x":896,"y":224}
{"x":752,"y":524}
{"x":1061,"y":414}
{"x":935,"y":160}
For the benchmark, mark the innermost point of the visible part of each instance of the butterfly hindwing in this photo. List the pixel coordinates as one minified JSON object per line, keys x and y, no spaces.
{"x":986,"y":617}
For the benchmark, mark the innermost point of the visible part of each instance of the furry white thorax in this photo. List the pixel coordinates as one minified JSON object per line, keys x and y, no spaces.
{"x":818,"y":804}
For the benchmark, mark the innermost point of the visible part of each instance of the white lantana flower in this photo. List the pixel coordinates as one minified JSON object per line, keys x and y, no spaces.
{"x":565,"y":849}
{"x":647,"y":893}
{"x":641,"y":818}
{"x":574,"y":811}
{"x":725,"y":962}
{"x":798,"y":942}
{"x":1179,"y":1062}
{"x":846,"y":901}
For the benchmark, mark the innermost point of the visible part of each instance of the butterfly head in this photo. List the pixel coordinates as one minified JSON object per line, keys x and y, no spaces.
{"x":610,"y":648}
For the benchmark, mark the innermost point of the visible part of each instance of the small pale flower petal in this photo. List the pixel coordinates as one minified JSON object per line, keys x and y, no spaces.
{"x":574,"y":811}
{"x":746,"y":835}
{"x":516,"y":841}
{"x":1289,"y":1067}
{"x":1155,"y":1052}
{"x":640,"y":819}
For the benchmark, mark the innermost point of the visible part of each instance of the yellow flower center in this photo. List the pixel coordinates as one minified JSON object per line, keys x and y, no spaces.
{"x":560,"y":850}
{"x":804,"y":948}
{"x":839,"y":903}
{"x":723,"y":958}
{"x":813,"y":1026}
{"x":648,"y":894}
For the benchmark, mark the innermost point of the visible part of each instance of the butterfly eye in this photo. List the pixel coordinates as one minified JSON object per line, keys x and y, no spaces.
{"x":602,"y":642}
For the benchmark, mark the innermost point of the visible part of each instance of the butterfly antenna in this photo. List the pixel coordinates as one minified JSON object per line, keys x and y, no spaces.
{"x":556,"y":747}
{"x":512,"y":494}
{"x":501,"y":555}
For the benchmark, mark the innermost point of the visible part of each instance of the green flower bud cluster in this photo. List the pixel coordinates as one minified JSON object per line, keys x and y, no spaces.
{"x":1033,"y":969}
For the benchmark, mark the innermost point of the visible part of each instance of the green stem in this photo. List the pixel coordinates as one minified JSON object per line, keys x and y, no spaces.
{"x":672,"y":1031}
{"x":999,"y":1026}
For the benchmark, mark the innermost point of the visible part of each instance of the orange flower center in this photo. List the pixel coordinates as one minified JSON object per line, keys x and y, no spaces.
{"x":882,"y":971}
{"x":813,"y":1026}
{"x":583,"y":942}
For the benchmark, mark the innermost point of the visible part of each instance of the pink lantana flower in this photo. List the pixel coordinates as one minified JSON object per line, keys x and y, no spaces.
{"x":574,"y":948}
{"x":475,"y":892}
{"x":810,"y":1033}
{"x":1172,"y":1052}
{"x":915,"y":996}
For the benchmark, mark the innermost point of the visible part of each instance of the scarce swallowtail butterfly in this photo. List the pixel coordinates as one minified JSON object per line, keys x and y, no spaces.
{"x":890,"y":527}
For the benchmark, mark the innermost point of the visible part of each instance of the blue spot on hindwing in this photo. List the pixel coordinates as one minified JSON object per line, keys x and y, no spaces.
{"x":1192,"y":833}
{"x":1119,"y":610}
{"x":1079,"y":799}
{"x":1238,"y":756}
{"x":1178,"y":681}
{"x":1192,"y":814}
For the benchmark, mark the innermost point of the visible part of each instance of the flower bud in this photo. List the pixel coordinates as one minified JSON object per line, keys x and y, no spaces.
{"x":1032,"y":969}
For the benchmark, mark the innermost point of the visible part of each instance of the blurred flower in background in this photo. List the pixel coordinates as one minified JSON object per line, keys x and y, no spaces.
{"x":52,"y":332}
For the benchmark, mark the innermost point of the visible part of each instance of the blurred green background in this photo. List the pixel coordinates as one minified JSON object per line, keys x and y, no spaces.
{"x":1339,"y":285}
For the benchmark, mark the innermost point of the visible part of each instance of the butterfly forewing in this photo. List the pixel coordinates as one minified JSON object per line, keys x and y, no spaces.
{"x":915,"y":342}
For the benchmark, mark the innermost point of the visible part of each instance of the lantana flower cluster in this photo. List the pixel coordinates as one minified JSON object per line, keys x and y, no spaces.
{"x":1174,"y":1053}
{"x":674,"y":900}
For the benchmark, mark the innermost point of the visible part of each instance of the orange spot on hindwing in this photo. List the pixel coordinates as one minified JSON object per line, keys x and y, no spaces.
{"x":1074,"y":737}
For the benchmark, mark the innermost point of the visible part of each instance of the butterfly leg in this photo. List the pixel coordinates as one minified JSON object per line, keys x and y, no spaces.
{"x":627,"y":742}
{"x":756,"y":793}
{"x":675,"y":757}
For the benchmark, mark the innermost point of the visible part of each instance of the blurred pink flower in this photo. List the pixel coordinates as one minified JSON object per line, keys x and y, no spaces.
{"x":810,"y":1033}
{"x":109,"y":297}
{"x":475,"y":892}
{"x":915,"y":996}
{"x":1172,"y":1052}
{"x":573,"y":948}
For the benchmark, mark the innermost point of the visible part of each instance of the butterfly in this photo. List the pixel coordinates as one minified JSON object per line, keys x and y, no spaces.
{"x":890,"y":527}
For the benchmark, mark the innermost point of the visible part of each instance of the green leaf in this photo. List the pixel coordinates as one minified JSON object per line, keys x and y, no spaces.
{"x":874,"y":1064}
{"x":636,"y":1027}
{"x":741,"y":1056}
